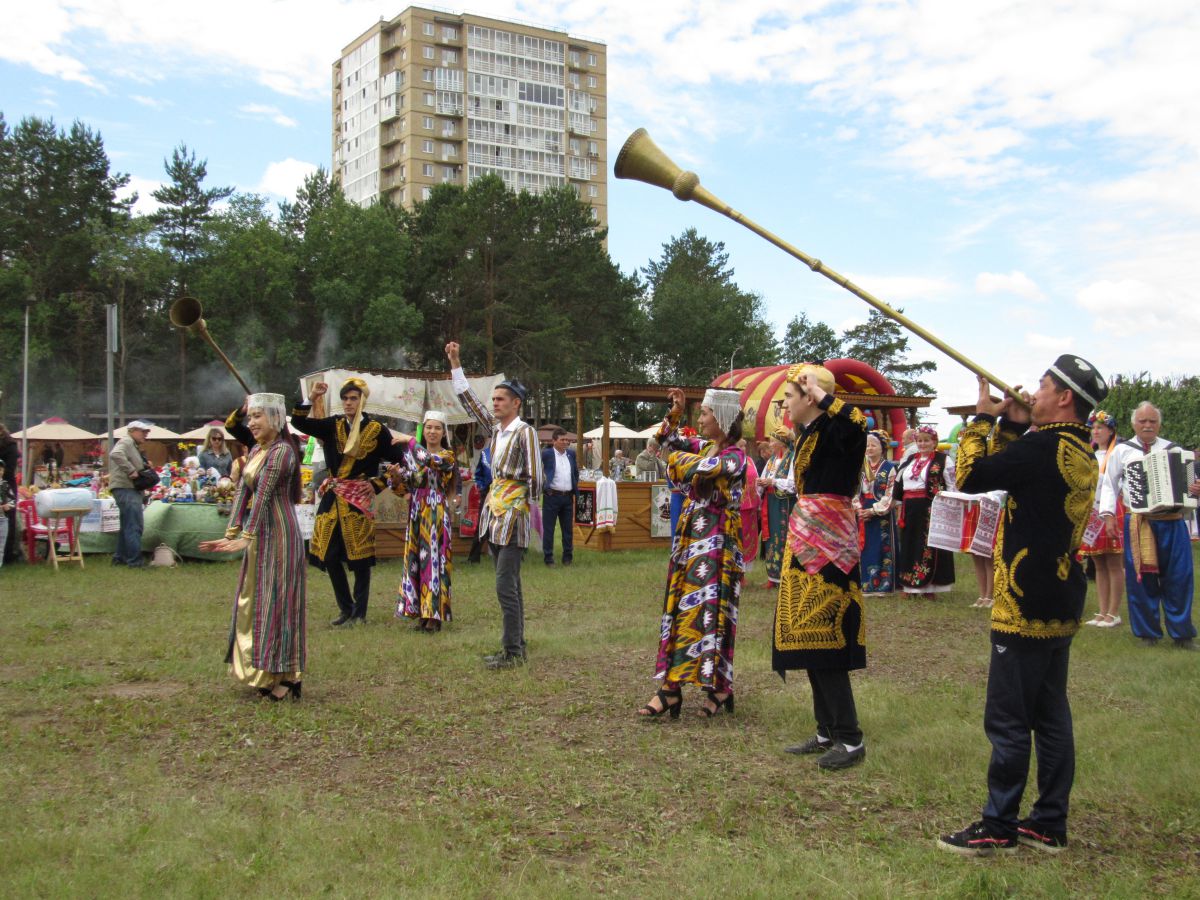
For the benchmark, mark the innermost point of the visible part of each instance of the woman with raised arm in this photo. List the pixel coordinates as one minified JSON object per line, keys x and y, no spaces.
{"x":704,"y":575}
{"x":429,"y":474}
{"x":267,"y":635}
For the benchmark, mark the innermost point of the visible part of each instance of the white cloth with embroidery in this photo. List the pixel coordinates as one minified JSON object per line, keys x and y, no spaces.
{"x":606,"y":504}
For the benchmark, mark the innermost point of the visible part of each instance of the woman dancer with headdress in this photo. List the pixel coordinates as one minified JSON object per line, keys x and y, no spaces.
{"x":429,"y":473}
{"x":779,"y":496}
{"x":1106,"y":551}
{"x":876,"y":518}
{"x":924,"y":570}
{"x":267,"y":635}
{"x":704,"y":576}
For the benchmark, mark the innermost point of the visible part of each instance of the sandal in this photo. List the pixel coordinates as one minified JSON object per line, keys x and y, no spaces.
{"x":725,"y":703}
{"x":649,"y":712}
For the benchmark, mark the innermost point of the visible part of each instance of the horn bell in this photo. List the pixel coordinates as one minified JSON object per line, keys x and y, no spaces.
{"x":641,"y":159}
{"x":188,"y":313}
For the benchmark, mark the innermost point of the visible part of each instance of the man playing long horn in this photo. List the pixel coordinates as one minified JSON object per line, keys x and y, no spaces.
{"x":344,"y":528}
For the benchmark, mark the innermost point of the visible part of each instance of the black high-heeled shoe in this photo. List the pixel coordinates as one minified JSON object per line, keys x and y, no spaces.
{"x":726,"y":703}
{"x":649,"y":712}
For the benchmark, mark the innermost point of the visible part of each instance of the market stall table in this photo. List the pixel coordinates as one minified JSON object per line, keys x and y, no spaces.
{"x":181,"y":526}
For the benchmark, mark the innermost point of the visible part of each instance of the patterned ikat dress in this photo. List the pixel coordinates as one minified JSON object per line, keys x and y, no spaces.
{"x":425,"y":585}
{"x":704,"y":577}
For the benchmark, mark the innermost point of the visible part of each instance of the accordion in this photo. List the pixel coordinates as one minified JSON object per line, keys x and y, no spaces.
{"x":1158,"y":482}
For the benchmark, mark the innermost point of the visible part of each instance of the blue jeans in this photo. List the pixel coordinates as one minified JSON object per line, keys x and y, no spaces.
{"x":129,"y":540}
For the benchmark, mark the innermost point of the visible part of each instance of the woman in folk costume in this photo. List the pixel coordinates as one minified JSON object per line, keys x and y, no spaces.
{"x":704,"y":576}
{"x":923,"y":569}
{"x":1107,"y":552}
{"x":751,"y":501}
{"x":429,"y":473}
{"x":267,"y":634}
{"x":779,"y":496}
{"x":820,"y":623}
{"x":876,"y":519}
{"x":354,"y":445}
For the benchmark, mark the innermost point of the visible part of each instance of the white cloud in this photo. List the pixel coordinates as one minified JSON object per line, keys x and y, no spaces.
{"x":283,"y":178}
{"x":143,"y":186}
{"x":152,"y":102}
{"x":271,"y":113}
{"x":1017,"y":283}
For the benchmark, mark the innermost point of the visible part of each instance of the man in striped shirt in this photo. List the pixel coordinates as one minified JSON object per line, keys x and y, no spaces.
{"x":516,"y":486}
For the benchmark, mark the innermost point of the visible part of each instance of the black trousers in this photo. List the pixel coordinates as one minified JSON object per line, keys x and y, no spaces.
{"x":560,"y":509}
{"x":1027,"y":692}
{"x":354,"y":605}
{"x":833,"y":706}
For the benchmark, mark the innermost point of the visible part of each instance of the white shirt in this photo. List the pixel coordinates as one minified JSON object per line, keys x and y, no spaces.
{"x":1113,"y":479}
{"x":562,"y":473}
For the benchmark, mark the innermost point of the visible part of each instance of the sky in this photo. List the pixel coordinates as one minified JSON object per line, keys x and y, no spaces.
{"x":1022,"y":178}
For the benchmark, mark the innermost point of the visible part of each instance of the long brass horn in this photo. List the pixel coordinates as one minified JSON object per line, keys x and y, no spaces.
{"x":642,"y":160}
{"x":188,"y":313}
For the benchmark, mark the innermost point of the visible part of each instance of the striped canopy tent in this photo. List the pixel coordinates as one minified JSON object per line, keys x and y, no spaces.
{"x":857,"y":383}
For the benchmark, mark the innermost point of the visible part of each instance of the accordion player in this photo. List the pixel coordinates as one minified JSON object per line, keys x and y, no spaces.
{"x":1158,"y":482}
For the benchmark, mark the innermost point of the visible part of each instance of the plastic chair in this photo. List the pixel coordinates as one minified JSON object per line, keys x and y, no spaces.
{"x":57,"y":530}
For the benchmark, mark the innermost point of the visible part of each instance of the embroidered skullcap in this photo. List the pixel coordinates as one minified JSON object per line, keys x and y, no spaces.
{"x":1081,"y":377}
{"x":725,"y":405}
{"x":139,"y":425}
{"x":274,"y":406}
{"x":515,"y":387}
{"x":354,"y":384}
{"x":434,"y":415}
{"x":927,"y":429}
{"x":1107,"y":419}
{"x":796,"y":373}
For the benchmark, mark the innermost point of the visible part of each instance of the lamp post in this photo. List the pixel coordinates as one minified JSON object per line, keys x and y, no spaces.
{"x":111,"y":321}
{"x":731,"y":356}
{"x":29,"y":300}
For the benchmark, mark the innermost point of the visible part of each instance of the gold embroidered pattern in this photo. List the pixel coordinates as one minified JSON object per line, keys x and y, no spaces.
{"x":323,"y":526}
{"x":810,"y":611}
{"x":1078,"y":468}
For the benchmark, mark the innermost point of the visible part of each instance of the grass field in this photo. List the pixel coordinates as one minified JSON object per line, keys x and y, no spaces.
{"x":131,"y":765}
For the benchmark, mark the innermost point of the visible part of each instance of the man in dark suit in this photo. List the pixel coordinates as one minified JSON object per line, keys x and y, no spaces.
{"x":558,"y":496}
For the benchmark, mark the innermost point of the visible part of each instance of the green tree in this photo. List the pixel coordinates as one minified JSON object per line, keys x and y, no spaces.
{"x":809,"y":341}
{"x":186,"y":207}
{"x":698,"y":318}
{"x":57,"y":199}
{"x":1177,"y":396}
{"x":880,"y":342}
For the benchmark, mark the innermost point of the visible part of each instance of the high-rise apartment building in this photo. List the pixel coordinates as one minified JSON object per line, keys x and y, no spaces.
{"x":431,"y":97}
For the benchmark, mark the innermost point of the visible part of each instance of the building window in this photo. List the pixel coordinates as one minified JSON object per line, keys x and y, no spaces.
{"x":429,"y":29}
{"x":427,"y":170}
{"x":593,"y":190}
{"x":449,"y":150}
{"x":426,"y":193}
{"x":449,"y":57}
{"x":591,"y":59}
{"x":427,"y":52}
{"x":427,"y":75}
{"x":593,"y":148}
{"x":428,"y":98}
{"x":427,"y":123}
{"x":593,"y":81}
{"x":595,"y":214}
{"x":449,"y":33}
{"x":426,"y":146}
{"x":575,"y":146}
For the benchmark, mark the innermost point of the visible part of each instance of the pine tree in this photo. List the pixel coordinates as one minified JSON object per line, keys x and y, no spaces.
{"x":881,"y":342}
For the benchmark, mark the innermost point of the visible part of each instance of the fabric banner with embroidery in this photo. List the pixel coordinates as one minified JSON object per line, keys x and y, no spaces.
{"x":822,"y":529}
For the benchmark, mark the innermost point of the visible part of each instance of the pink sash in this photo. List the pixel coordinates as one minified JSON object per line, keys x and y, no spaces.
{"x":357,"y":492}
{"x":823,"y":529}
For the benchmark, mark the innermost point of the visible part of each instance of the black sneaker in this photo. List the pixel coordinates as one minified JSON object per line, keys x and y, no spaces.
{"x":1031,"y":834}
{"x":341,"y":620}
{"x":976,"y":840}
{"x":815,"y":744}
{"x":838,"y":757}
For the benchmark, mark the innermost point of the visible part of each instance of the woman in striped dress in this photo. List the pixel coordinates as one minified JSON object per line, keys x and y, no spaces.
{"x":267,"y":633}
{"x":704,"y":576}
{"x":431,"y":477}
